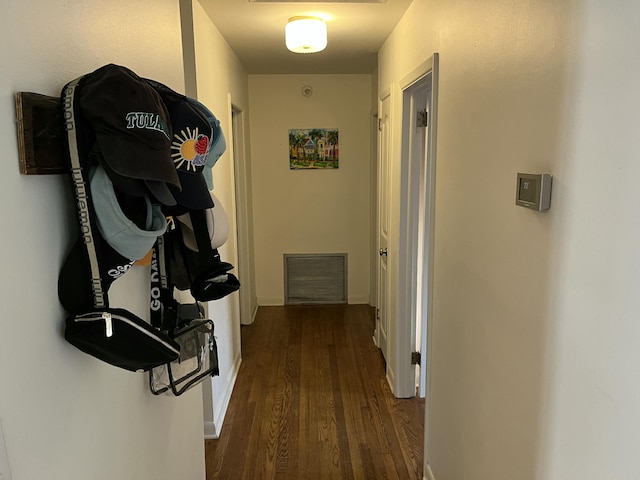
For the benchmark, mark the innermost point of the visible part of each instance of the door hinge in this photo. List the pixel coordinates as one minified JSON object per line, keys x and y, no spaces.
{"x":416,"y":358}
{"x":423,"y":119}
{"x":378,"y":313}
{"x":379,"y":124}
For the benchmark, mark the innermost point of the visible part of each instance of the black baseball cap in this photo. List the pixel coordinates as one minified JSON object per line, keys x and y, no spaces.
{"x":131,"y":123}
{"x":190,"y":146}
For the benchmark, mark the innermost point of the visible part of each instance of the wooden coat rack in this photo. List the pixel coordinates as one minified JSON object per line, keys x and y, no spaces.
{"x":41,"y":146}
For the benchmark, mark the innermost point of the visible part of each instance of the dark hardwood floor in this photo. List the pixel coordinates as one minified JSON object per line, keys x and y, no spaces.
{"x":311,"y":402}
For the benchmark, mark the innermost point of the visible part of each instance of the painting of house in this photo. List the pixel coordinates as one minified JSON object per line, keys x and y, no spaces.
{"x":313,"y":148}
{"x":310,"y":148}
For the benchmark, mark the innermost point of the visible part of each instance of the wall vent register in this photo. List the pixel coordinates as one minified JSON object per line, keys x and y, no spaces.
{"x":318,"y":278}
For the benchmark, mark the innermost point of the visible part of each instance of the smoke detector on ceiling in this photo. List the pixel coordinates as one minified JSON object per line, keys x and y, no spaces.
{"x":307,"y":91}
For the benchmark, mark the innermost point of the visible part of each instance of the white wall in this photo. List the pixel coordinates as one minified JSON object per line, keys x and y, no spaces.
{"x":65,"y":414}
{"x":535,"y":357}
{"x":310,"y":211}
{"x":221,"y":81}
{"x":592,"y":427}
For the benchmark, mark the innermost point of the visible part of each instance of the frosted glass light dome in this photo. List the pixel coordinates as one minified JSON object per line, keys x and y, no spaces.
{"x":306,"y":34}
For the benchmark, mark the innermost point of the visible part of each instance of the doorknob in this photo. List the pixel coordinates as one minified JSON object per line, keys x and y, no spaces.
{"x":383,"y":251}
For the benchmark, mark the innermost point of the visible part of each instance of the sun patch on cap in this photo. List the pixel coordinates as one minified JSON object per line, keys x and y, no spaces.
{"x":189,"y":150}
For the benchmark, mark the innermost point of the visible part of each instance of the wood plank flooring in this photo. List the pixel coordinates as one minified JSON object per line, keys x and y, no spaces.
{"x":311,"y":402}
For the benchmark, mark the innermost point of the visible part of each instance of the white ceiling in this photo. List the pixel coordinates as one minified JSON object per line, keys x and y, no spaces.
{"x":356,"y":30}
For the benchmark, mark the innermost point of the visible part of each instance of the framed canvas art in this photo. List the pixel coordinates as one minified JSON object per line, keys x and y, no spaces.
{"x":313,"y":148}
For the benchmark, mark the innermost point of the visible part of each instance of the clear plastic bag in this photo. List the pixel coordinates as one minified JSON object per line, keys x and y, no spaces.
{"x":198,"y":360}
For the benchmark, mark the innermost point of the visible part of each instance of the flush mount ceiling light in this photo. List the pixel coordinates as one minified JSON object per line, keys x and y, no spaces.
{"x":306,"y":34}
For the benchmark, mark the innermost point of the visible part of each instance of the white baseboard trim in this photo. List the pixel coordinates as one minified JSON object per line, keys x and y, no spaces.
{"x":212,"y":429}
{"x":355,"y":300}
{"x":253,"y":317}
{"x":219,"y":415}
{"x":428,"y":474}
{"x":391,"y":379}
{"x":270,"y":301}
{"x":376,"y":337}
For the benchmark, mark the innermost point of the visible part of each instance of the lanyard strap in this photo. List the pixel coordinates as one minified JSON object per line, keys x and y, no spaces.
{"x":83,"y":198}
{"x":165,"y":311}
{"x":162,"y":306}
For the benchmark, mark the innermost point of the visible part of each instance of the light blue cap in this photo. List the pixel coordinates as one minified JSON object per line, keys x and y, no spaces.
{"x":119,"y":231}
{"x":218,"y":145}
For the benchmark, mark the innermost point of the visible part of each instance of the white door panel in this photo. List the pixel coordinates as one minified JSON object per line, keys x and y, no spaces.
{"x":382,"y":322}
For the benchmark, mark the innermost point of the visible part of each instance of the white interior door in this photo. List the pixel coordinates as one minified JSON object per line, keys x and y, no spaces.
{"x":382,"y":320}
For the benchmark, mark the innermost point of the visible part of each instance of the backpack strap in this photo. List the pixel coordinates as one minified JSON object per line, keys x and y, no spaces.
{"x":166,"y":312}
{"x":82,"y":192}
{"x":201,"y":232}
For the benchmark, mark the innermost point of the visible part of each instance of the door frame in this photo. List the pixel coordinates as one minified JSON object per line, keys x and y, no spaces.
{"x":407,"y":234}
{"x":407,"y":260}
{"x":414,"y":208}
{"x":243,"y":212}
